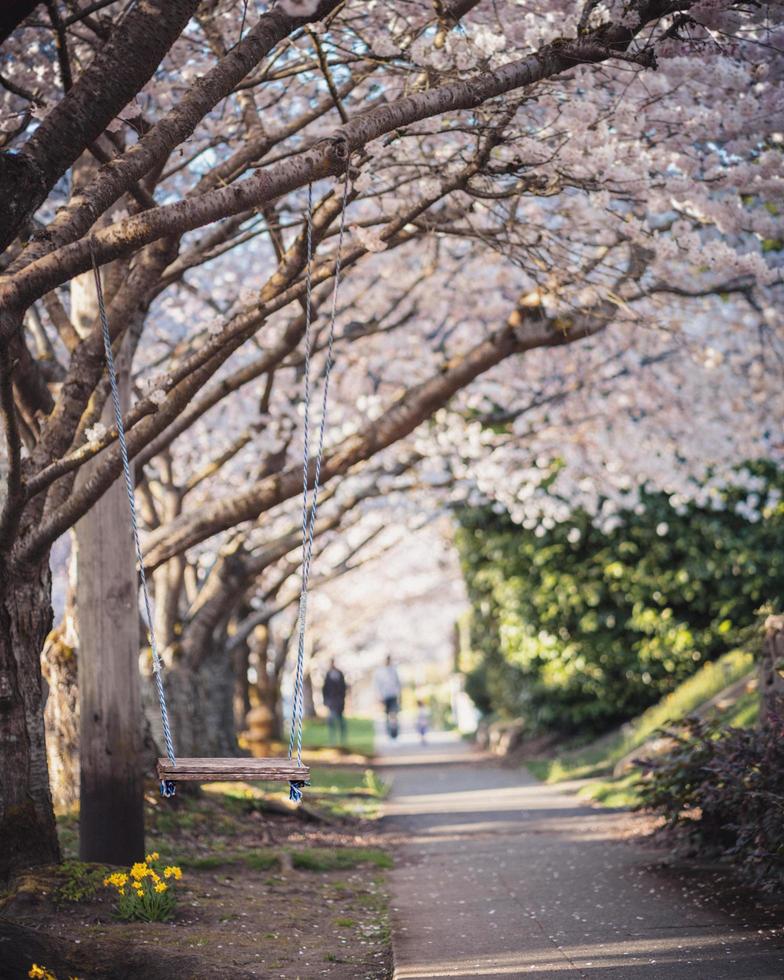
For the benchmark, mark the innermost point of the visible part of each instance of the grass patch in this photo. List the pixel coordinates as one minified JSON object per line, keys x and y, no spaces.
{"x":354,"y":780}
{"x":349,"y":792}
{"x":360,"y":735}
{"x":307,"y":859}
{"x":621,"y":792}
{"x":600,"y":756}
{"x":260,"y":860}
{"x":339,"y":858}
{"x":257,"y":860}
{"x":745,"y":712}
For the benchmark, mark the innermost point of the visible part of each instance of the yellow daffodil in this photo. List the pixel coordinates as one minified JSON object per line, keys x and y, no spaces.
{"x":37,"y":972}
{"x":117,"y":879}
{"x":141,"y":895}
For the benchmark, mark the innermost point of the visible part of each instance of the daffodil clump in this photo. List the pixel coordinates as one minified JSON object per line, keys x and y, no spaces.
{"x":145,"y":893}
{"x":37,"y":972}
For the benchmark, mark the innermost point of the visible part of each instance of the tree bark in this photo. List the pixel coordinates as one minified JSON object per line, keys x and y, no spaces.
{"x":201,"y":707}
{"x":177,"y":125}
{"x":267,"y":687}
{"x":328,"y":159}
{"x":119,"y":70}
{"x":241,"y":657}
{"x":111,"y":826}
{"x":59,"y":665}
{"x":268,"y":693}
{"x":27,"y":827}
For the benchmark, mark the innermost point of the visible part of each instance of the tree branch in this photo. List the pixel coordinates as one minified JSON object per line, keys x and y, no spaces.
{"x":327,"y":157}
{"x":118,"y":71}
{"x":521,"y":333}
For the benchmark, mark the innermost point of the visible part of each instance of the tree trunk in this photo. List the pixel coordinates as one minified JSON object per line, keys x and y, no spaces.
{"x":27,"y":829}
{"x":59,"y":664}
{"x":241,"y":657}
{"x":772,"y":671}
{"x":308,"y":701}
{"x":111,"y":826}
{"x":267,"y":687}
{"x":201,"y":707}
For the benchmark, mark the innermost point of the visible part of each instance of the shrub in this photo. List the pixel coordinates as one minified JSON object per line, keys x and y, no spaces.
{"x":577,"y":627}
{"x":142,"y":893}
{"x":723,"y":790}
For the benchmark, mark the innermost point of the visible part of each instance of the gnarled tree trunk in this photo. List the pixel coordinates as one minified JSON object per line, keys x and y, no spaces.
{"x":28,"y":836}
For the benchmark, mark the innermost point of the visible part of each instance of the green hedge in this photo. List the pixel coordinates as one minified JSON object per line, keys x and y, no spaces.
{"x":578,"y":629}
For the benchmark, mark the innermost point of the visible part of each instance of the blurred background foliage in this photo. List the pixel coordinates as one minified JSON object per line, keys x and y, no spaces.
{"x":579,"y":627}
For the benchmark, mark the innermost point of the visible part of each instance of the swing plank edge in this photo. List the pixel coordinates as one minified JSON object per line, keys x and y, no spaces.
{"x":226,"y":770}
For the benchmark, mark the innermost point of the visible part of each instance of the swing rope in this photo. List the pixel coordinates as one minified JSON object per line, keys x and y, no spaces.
{"x":167,"y":787}
{"x":310,"y":501}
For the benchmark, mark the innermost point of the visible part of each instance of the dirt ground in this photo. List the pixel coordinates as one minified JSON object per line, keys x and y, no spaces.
{"x":266,"y":892}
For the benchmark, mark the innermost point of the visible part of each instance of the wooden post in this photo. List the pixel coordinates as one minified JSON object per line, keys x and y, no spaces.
{"x":772,"y":671}
{"x":111,"y":827}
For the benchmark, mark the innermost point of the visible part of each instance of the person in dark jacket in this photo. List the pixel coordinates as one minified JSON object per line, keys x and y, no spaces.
{"x":334,"y":696}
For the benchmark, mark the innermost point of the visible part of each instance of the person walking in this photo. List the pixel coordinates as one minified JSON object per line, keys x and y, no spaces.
{"x":388,"y":691}
{"x":334,"y":696}
{"x":423,"y":720}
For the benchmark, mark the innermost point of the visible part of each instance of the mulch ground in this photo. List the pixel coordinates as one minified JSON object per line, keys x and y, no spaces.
{"x":265,"y":893}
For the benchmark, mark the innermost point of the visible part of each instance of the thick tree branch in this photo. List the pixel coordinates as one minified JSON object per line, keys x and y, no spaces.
{"x":118,"y":71}
{"x":120,"y":174}
{"x":522,"y":332}
{"x":327,"y":157}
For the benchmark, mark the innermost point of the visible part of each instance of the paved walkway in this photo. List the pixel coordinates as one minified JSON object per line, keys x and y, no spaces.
{"x":501,"y":876}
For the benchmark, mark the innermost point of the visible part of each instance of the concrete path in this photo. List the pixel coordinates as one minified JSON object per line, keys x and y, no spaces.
{"x":500,"y":876}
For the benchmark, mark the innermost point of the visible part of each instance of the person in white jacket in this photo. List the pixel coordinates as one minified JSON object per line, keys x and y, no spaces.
{"x":388,"y":690}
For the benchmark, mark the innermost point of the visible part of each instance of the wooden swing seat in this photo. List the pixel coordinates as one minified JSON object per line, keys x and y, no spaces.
{"x":227,"y":770}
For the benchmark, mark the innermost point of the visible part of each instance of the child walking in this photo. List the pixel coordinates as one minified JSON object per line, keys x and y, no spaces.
{"x":423,"y":721}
